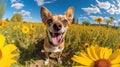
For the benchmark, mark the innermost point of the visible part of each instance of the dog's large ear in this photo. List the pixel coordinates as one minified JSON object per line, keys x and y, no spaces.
{"x":70,"y":14}
{"x":45,"y":13}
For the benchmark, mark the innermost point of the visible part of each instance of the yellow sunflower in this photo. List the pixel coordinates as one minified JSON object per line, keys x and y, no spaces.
{"x":1,"y":25}
{"x":32,"y":26}
{"x":99,"y":20}
{"x":25,"y":29}
{"x":96,"y":56}
{"x":14,"y":27}
{"x":6,"y":53}
{"x":4,"y":23}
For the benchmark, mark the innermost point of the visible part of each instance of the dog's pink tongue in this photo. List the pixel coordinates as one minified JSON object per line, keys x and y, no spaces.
{"x":56,"y":40}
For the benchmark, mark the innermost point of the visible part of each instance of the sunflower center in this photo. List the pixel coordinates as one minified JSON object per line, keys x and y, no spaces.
{"x":99,"y":19}
{"x":102,"y":63}
{"x":0,"y":54}
{"x":0,"y":24}
{"x":86,"y":46}
{"x":33,"y":26}
{"x":25,"y":29}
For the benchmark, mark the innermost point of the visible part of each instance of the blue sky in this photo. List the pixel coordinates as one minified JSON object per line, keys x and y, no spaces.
{"x":84,"y":9}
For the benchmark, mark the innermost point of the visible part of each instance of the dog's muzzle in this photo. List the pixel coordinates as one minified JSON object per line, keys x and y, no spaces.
{"x":56,"y":34}
{"x":56,"y":38}
{"x":57,"y":26}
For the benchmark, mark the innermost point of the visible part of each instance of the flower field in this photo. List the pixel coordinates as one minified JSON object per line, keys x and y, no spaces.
{"x":28,"y":38}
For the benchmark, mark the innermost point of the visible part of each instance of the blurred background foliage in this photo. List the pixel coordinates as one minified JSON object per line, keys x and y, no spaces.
{"x":2,"y":7}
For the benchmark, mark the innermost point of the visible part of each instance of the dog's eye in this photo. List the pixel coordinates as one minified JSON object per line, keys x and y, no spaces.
{"x":65,"y":22}
{"x":49,"y":21}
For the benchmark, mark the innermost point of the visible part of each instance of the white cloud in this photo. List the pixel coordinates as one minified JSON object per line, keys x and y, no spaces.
{"x":42,"y":2}
{"x":118,"y":1}
{"x":114,"y":2}
{"x":83,"y":17}
{"x":90,"y":10}
{"x":17,"y":5}
{"x":93,"y":17}
{"x":25,"y":13}
{"x":117,"y":11}
{"x":92,"y":5}
{"x":113,"y":6}
{"x":111,"y":11}
{"x":13,"y":1}
{"x":115,"y":21}
{"x":118,"y":21}
{"x":103,"y":5}
{"x":110,"y":8}
{"x":106,"y":17}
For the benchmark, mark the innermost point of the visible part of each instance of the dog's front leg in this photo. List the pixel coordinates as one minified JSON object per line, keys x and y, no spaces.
{"x":47,"y":58}
{"x":59,"y":57}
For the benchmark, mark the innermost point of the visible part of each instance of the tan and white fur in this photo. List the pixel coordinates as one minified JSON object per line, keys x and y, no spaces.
{"x":56,"y":28}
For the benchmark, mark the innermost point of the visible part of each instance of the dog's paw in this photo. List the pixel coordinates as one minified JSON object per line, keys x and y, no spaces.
{"x":59,"y":60}
{"x":46,"y":62}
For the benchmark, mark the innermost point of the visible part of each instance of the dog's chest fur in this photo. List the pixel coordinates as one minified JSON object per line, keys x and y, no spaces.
{"x":53,"y":49}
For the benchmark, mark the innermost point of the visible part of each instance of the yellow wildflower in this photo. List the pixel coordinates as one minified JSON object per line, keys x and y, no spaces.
{"x":86,"y":45}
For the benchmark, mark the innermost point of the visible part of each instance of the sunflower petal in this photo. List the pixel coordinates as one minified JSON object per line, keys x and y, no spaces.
{"x":102,"y":52}
{"x":97,"y":49}
{"x":82,"y":54}
{"x":12,"y":61}
{"x":116,"y":65}
{"x":81,"y":60}
{"x":8,"y":60}
{"x":116,"y":60}
{"x":2,"y":41}
{"x":115,"y":54}
{"x":14,"y":55}
{"x":94,"y":53}
{"x":8,"y":49}
{"x":115,"y":57}
{"x":107,"y":54}
{"x":90,"y":53}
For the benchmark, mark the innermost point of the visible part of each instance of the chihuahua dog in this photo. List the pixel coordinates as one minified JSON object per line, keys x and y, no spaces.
{"x":56,"y":27}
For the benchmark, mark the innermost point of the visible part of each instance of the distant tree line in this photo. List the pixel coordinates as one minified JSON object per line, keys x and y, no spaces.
{"x":17,"y":17}
{"x":109,"y":21}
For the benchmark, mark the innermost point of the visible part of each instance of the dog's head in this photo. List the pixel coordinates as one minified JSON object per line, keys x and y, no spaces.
{"x":56,"y":24}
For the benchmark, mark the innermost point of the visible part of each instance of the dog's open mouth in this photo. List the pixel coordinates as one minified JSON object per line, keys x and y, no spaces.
{"x":57,"y":38}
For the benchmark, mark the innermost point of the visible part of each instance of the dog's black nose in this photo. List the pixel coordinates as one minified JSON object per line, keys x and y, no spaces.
{"x":57,"y":26}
